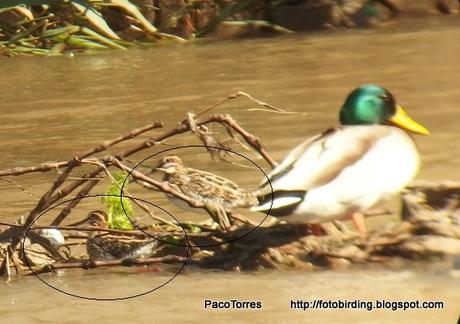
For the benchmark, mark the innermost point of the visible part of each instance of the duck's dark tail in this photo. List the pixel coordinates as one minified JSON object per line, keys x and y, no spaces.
{"x":279,"y":203}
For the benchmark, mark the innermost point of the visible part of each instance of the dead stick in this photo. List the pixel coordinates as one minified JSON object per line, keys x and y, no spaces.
{"x":112,"y":263}
{"x":44,"y":167}
{"x":236,"y":95}
{"x":127,"y":136}
{"x":179,"y":129}
{"x":184,"y":126}
{"x":152,"y":215}
{"x":112,"y":231}
{"x":253,"y":141}
{"x":44,"y":201}
{"x":66,"y":211}
{"x":242,"y":219}
{"x":74,"y":185}
{"x":47,"y":200}
{"x":131,"y":134}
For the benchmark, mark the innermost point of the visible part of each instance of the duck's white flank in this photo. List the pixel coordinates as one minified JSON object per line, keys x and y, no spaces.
{"x":351,"y":168}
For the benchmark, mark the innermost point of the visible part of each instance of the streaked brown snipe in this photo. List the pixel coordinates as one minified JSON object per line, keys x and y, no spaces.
{"x":108,"y":246}
{"x":204,"y":186}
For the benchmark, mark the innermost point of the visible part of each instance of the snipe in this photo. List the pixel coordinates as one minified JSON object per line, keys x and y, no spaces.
{"x":108,"y":246}
{"x":204,"y":186}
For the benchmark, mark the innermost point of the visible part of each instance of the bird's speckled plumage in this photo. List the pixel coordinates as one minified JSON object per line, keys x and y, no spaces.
{"x":117,"y":247}
{"x":204,"y":186}
{"x":107,"y":246}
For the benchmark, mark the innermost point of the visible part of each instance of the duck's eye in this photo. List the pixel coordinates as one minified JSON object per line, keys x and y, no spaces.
{"x":389,"y":103}
{"x":384,"y":97}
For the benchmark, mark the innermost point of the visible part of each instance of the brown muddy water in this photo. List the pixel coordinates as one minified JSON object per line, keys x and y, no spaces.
{"x":52,"y":108}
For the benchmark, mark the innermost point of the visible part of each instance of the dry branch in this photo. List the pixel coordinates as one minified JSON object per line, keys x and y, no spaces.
{"x":82,"y":193}
{"x":44,"y":167}
{"x":47,"y":200}
{"x":183,"y":127}
{"x":91,"y":264}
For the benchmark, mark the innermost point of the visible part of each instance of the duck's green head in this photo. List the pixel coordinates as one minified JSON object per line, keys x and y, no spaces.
{"x":371,"y":104}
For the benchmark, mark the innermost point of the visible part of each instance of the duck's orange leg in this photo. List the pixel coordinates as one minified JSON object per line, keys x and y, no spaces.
{"x":358,"y":221}
{"x":317,"y":230}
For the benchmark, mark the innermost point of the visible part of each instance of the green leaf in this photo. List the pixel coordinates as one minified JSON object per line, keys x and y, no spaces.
{"x":172,"y":239}
{"x":82,"y":42}
{"x":68,"y":30}
{"x":194,"y":228}
{"x":29,"y":50}
{"x":102,"y":39}
{"x":20,"y":10}
{"x":135,"y":13}
{"x":57,"y":49}
{"x":14,"y":3}
{"x":117,"y":218}
{"x":94,"y":18}
{"x":60,"y":34}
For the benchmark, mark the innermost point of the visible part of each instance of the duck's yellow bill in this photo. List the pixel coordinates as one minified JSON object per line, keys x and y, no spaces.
{"x":402,"y":119}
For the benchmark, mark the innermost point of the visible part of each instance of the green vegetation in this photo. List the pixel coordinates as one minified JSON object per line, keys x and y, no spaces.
{"x":53,"y":27}
{"x":116,"y":215}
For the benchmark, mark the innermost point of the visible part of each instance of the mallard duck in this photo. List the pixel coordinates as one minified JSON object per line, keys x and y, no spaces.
{"x":346,"y":170}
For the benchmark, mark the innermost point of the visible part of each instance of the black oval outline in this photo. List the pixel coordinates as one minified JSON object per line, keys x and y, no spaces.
{"x":202,"y":146}
{"x":115,"y":298}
